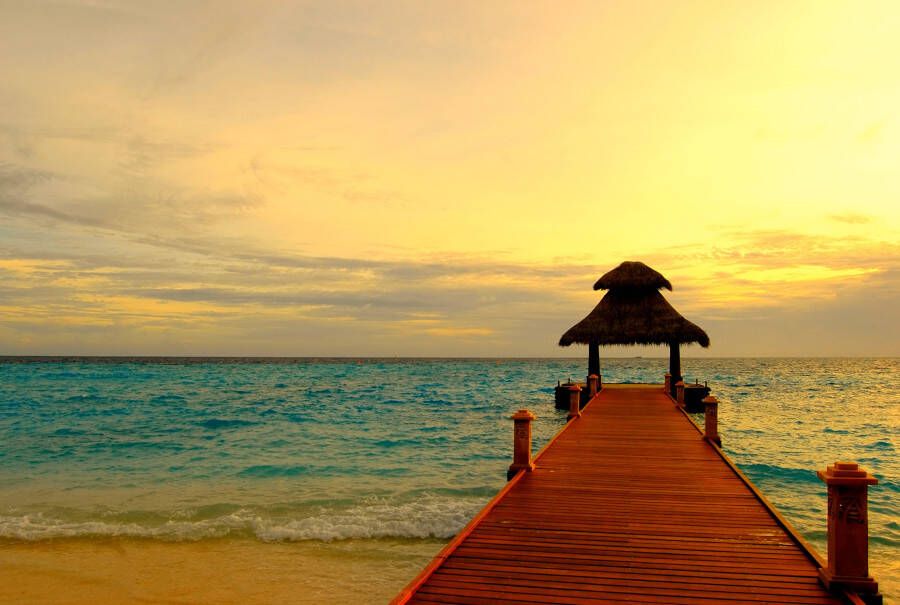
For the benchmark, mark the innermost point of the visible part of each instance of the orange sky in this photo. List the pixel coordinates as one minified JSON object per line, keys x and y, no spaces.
{"x":444,"y":178}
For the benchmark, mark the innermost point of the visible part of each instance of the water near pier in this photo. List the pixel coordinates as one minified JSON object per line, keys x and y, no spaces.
{"x":372,"y":464}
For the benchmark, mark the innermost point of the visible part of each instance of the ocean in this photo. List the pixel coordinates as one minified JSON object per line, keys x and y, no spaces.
{"x":356,"y":471}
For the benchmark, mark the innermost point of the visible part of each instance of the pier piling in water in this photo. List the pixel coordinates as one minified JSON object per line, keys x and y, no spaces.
{"x":711,"y":424}
{"x":679,"y":393}
{"x":593,"y":382}
{"x":848,"y":530}
{"x":574,"y":401}
{"x":521,"y":443}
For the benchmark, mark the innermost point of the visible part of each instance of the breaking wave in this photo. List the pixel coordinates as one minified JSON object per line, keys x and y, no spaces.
{"x":429,"y":517}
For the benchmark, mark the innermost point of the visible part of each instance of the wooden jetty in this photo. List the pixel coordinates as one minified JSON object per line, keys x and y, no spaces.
{"x":630,"y":503}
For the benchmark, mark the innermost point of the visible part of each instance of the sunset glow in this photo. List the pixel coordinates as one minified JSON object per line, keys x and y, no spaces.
{"x":444,"y":178}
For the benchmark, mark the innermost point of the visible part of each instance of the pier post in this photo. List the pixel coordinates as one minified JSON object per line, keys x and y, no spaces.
{"x":668,"y":386}
{"x":574,"y":401}
{"x":711,"y":426}
{"x":679,"y":393}
{"x":593,"y":384}
{"x":848,"y":531}
{"x":521,"y":443}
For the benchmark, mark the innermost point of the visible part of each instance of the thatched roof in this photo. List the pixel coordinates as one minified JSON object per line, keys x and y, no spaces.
{"x":632,"y":274}
{"x":628,"y":317}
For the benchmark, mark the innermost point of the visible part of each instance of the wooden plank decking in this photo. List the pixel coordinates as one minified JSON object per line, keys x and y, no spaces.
{"x":627,"y":504}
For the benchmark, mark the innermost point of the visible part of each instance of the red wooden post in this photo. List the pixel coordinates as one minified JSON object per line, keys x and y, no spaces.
{"x":848,"y":530}
{"x":574,"y":401}
{"x":711,"y":426}
{"x":679,"y":392}
{"x":521,"y":443}
{"x":593,"y":384}
{"x":668,"y":387}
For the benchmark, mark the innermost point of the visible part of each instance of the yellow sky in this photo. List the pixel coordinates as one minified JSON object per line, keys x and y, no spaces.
{"x":444,"y":177}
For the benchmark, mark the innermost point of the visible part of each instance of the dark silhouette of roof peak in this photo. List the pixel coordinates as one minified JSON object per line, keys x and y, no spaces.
{"x":632,"y":275}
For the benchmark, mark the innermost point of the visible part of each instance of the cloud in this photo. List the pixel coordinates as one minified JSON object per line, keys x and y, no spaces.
{"x":197,"y":41}
{"x":358,"y":306}
{"x":143,"y":282}
{"x":140,"y":153}
{"x":352,"y":185}
{"x":22,"y":208}
{"x":851,"y":218}
{"x":737,"y":251}
{"x":214,"y":279}
{"x":141,"y":207}
{"x":18,"y":179}
{"x":758,"y":274}
{"x":461,"y":332}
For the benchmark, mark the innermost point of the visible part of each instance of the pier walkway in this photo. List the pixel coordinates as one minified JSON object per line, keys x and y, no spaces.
{"x":627,"y":504}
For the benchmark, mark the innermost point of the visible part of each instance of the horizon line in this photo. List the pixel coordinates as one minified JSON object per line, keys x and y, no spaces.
{"x":415,"y":357}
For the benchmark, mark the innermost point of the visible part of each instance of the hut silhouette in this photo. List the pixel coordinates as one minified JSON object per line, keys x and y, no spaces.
{"x":634,"y":312}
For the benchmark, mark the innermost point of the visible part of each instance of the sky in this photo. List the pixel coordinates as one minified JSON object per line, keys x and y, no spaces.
{"x":445,"y":178}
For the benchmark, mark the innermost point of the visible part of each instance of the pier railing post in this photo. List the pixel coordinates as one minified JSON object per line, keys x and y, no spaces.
{"x":668,"y":387}
{"x":521,"y":443}
{"x":848,"y":530}
{"x":679,"y":392}
{"x":574,"y":401}
{"x":711,"y":425}
{"x":593,"y":384}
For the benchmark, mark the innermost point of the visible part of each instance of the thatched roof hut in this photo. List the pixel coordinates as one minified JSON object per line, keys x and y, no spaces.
{"x":634,"y":312}
{"x":634,"y":317}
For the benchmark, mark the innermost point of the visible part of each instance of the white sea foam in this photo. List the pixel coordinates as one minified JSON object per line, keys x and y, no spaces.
{"x":425,"y":518}
{"x":428,"y":517}
{"x":40,"y":527}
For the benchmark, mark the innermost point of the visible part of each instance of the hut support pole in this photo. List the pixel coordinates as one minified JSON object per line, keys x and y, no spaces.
{"x":675,"y":365}
{"x":594,"y":358}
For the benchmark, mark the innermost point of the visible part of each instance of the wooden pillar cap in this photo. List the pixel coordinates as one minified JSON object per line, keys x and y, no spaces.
{"x":679,"y":383}
{"x":846,"y":473}
{"x":710,"y":399}
{"x":523,"y":415}
{"x":594,"y":376}
{"x":574,"y":387}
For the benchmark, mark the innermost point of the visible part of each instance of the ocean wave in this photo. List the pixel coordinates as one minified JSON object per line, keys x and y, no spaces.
{"x":763,"y":472}
{"x":276,"y":470}
{"x":225,"y":423}
{"x":429,"y":517}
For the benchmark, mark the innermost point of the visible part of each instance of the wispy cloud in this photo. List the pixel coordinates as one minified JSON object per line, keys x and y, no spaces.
{"x":851,"y":218}
{"x":413,"y":178}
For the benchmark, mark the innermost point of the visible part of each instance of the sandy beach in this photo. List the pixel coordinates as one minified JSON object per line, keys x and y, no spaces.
{"x":243,"y":571}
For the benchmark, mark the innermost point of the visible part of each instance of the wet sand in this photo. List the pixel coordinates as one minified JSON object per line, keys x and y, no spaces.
{"x":245,"y":571}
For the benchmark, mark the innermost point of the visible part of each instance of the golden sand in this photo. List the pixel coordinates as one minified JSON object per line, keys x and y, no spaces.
{"x":239,"y":571}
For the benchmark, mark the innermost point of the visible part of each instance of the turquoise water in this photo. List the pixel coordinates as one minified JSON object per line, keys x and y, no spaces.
{"x":327,"y":450}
